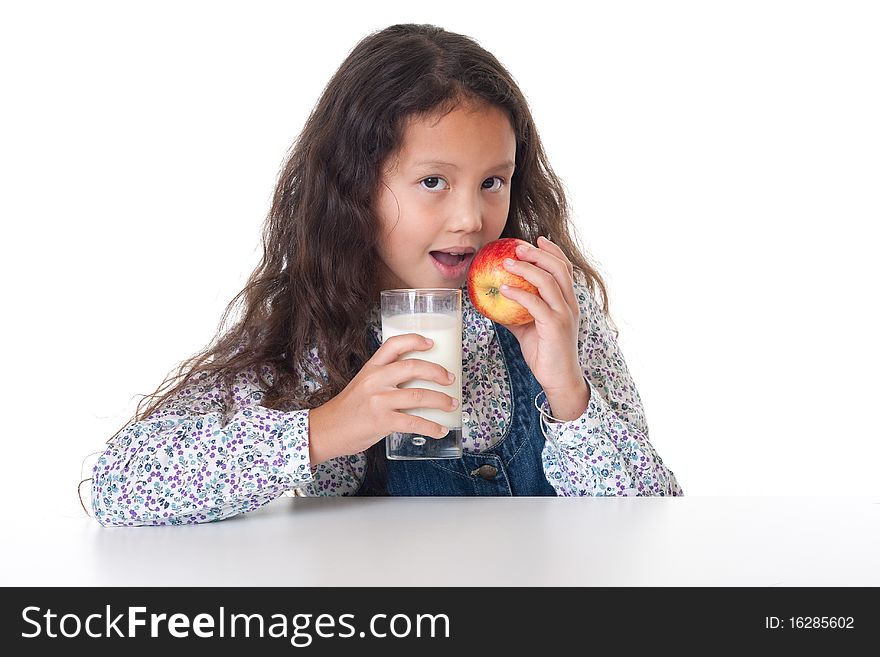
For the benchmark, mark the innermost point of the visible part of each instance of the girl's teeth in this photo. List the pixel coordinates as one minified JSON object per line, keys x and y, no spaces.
{"x":449,"y":259}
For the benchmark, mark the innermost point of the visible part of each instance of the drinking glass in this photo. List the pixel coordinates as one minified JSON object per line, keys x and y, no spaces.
{"x":433,"y":313}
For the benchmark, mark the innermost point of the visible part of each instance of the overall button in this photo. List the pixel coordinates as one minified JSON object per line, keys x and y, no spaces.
{"x":486,"y":471}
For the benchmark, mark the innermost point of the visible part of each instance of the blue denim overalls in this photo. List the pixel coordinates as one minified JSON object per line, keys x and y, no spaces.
{"x":512,"y":466}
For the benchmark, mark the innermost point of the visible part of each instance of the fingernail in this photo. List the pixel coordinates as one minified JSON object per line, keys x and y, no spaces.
{"x":509,"y":262}
{"x":454,"y":403}
{"x":505,"y":287}
{"x":443,"y":432}
{"x":450,"y":376}
{"x":522,"y":248}
{"x":429,"y":341}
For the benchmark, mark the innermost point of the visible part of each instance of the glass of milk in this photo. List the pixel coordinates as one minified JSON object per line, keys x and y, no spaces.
{"x":433,"y":313}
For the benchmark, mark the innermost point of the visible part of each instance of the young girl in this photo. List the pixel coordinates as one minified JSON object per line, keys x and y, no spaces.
{"x":420,"y":144}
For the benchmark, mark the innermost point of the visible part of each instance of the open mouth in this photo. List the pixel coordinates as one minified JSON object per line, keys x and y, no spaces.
{"x":450,"y":264}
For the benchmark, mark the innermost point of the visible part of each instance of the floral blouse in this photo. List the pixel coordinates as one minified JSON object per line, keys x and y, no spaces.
{"x":210,"y":452}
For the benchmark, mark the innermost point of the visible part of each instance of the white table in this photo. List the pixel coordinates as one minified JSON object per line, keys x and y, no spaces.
{"x":701,"y":541}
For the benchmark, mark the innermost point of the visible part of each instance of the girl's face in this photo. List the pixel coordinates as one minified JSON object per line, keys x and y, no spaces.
{"x":447,"y":190}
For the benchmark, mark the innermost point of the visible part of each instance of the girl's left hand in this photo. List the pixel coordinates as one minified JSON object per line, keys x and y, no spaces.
{"x":550,"y":343}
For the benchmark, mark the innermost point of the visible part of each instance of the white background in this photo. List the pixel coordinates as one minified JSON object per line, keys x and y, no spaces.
{"x":721,"y":160}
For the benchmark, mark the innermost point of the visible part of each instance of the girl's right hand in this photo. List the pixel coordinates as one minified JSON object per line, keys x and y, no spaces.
{"x":368,"y":409}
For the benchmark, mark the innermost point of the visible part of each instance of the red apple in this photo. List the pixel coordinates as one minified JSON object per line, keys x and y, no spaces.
{"x":486,"y":275}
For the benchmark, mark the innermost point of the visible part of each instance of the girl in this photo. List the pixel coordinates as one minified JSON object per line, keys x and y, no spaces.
{"x":420,"y":144}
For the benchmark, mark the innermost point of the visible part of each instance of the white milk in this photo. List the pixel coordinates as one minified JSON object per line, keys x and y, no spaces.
{"x":445,"y":331}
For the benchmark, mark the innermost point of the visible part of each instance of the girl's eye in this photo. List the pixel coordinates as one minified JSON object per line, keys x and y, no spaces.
{"x":432,"y":182}
{"x":493,"y":187}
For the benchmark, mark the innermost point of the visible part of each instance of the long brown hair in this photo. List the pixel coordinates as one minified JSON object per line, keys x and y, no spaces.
{"x":316,"y":281}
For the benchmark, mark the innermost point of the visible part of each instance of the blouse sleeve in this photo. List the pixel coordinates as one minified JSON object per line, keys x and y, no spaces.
{"x":605,"y":451}
{"x":207,"y":454}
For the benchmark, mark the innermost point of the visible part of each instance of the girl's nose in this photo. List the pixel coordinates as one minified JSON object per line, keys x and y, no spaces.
{"x":467,"y":215}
